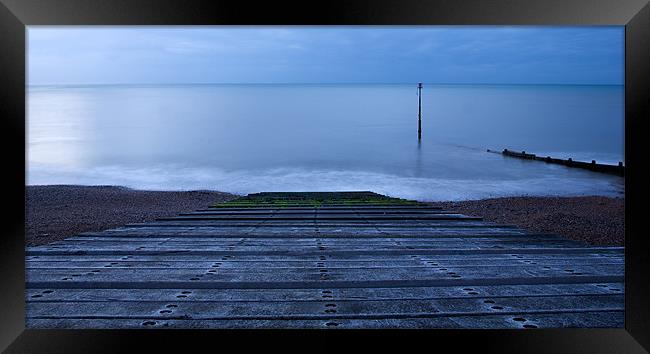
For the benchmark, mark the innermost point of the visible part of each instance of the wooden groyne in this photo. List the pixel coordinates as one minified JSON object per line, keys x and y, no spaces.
{"x":618,"y":170}
{"x":322,"y":260}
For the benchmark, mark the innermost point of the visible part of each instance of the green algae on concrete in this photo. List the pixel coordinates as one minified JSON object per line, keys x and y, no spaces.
{"x":315,"y":199}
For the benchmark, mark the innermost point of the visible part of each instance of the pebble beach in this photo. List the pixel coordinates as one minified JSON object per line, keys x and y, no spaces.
{"x":54,"y":212}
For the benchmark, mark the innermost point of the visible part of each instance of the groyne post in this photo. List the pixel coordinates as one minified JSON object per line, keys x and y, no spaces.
{"x":419,"y":111}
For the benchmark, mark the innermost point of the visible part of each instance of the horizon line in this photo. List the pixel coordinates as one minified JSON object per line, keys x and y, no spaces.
{"x":322,"y":83}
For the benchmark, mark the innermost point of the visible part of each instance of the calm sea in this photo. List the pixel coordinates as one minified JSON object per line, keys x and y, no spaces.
{"x":250,"y":138}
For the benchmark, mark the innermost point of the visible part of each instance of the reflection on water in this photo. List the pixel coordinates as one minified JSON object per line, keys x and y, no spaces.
{"x":248,"y":138}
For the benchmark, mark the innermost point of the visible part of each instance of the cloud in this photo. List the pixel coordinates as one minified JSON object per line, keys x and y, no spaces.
{"x":325,"y":54}
{"x":191,"y":47}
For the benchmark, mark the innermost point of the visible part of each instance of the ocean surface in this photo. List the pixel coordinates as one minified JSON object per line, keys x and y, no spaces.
{"x":267,"y":137}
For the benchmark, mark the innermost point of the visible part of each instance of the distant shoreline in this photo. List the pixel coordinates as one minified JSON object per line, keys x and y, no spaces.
{"x":55,"y":212}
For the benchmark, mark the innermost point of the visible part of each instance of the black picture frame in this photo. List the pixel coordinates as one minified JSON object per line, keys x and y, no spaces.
{"x":16,"y":14}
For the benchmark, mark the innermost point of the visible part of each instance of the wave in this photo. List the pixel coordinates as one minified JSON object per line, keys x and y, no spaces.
{"x":298,"y":179}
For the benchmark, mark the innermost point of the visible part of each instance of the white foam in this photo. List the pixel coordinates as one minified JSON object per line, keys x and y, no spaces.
{"x":294,"y":179}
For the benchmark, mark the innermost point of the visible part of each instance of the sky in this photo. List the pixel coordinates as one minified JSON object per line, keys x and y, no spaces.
{"x":318,"y":54}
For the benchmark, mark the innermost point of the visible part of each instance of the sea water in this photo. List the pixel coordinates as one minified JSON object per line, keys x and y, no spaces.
{"x":273,"y":137}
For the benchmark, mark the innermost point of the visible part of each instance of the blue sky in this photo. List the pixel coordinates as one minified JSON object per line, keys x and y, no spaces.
{"x":295,"y":54}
